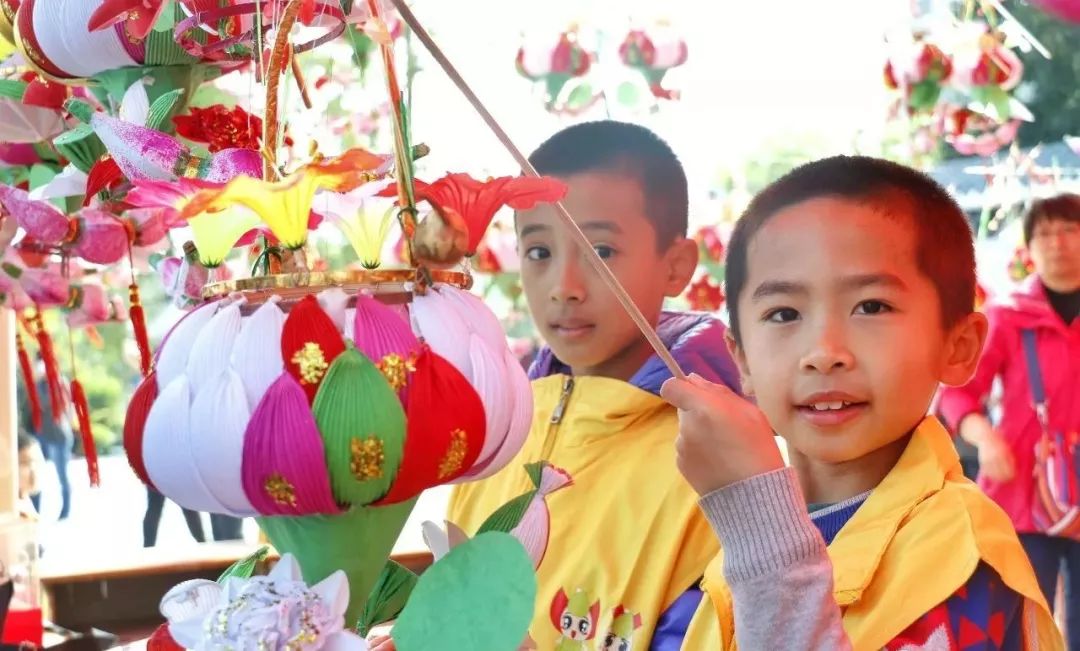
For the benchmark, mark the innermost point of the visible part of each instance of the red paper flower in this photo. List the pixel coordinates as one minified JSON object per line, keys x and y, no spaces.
{"x":478,"y":201}
{"x":485,"y":261}
{"x":221,"y":128}
{"x":710,"y":243}
{"x":705,"y":295}
{"x":139,"y":14}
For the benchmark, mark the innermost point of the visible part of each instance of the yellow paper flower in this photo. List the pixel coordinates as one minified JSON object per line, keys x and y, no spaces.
{"x":366,"y":228}
{"x":285,"y":205}
{"x":215,"y":233}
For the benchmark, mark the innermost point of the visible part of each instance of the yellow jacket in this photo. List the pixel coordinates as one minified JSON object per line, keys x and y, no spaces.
{"x":626,"y":538}
{"x":915,"y":541}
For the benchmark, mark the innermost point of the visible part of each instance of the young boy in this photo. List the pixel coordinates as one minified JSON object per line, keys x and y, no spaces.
{"x":851,"y":286}
{"x":626,"y":540}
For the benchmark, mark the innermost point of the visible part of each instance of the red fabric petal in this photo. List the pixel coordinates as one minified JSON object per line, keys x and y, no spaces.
{"x":104,"y":174}
{"x":310,"y":341}
{"x":445,"y":428}
{"x":135,"y":424}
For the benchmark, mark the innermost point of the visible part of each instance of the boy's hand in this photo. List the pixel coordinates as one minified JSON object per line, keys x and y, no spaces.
{"x":723,"y":438}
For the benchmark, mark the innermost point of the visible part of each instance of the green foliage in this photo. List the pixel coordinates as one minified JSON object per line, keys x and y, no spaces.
{"x":1049,"y":87}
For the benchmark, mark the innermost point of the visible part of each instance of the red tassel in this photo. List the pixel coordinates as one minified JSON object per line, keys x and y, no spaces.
{"x":138,"y":322}
{"x":52,"y":369}
{"x":82,"y":411}
{"x":28,"y":380}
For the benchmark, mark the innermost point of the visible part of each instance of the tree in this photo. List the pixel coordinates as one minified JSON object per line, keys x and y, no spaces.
{"x":1050,"y":87}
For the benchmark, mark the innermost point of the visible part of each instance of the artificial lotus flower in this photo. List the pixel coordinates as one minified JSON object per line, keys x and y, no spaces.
{"x":285,"y":205}
{"x":220,"y":128}
{"x":216,"y":233}
{"x":710,"y":243}
{"x":90,"y":234}
{"x":654,"y":53}
{"x":139,"y":16}
{"x":365,"y":225}
{"x":144,"y":153}
{"x":477,"y":201}
{"x":273,"y":612}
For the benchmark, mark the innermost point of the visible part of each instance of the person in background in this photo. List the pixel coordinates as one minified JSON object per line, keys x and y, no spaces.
{"x":155,"y":504}
{"x":1033,"y":341}
{"x":31,"y":461}
{"x":55,"y":437}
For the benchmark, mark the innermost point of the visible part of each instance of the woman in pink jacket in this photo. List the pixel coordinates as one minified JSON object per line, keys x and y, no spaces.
{"x":1047,"y":305}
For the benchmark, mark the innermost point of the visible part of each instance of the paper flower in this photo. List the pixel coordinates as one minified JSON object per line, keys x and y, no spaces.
{"x":276,"y":612}
{"x":705,"y":295}
{"x":221,"y":128}
{"x":553,"y":62}
{"x":478,"y":201}
{"x":139,"y":16}
{"x":710,"y":243}
{"x":919,"y":70}
{"x":285,"y":205}
{"x":364,"y":224}
{"x":93,"y":235}
{"x":654,"y":53}
{"x":144,"y":153}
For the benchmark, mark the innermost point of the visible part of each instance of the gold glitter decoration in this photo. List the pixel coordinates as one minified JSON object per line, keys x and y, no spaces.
{"x":396,"y":369}
{"x":366,"y":458}
{"x":312,"y":363}
{"x":280,"y":490}
{"x":455,"y":454}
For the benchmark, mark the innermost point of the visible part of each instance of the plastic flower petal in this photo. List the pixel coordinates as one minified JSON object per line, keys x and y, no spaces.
{"x":216,"y":233}
{"x":367,"y":230}
{"x":140,"y":16}
{"x":285,"y":205}
{"x":478,"y":201}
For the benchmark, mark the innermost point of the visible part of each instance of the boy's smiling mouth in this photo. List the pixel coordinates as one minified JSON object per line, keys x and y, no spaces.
{"x":830,"y":408}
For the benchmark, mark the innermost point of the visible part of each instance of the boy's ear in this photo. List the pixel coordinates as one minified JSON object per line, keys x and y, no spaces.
{"x":963,"y":349}
{"x":737,"y":354}
{"x":681,"y":262}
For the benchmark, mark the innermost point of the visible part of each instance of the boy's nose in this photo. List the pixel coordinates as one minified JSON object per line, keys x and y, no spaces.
{"x":829,"y":353}
{"x":569,"y":285}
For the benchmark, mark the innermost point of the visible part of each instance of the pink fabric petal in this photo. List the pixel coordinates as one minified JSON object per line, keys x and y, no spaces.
{"x":227,"y":164}
{"x":40,"y":219}
{"x":102,"y":238}
{"x":140,"y":153}
{"x":284,"y":470}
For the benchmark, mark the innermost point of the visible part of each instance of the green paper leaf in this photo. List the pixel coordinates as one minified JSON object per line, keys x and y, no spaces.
{"x":245,"y":567}
{"x":579,"y":97}
{"x":12,"y":89}
{"x":507,"y":517}
{"x":80,"y":109}
{"x":81,"y":146}
{"x":40,"y":175}
{"x":924,"y":95}
{"x":346,"y":7}
{"x":162,"y":111}
{"x":628,"y":93}
{"x":388,"y":597}
{"x":479,"y":597}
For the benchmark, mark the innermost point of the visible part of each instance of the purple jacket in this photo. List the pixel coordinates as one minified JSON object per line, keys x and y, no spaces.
{"x":1058,"y":348}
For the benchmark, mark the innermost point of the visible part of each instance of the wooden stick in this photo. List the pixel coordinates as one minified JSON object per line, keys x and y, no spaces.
{"x":594,"y":259}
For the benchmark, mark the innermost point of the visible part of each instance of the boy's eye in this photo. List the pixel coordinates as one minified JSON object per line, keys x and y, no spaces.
{"x":604,"y":251}
{"x":537,"y":253}
{"x":782,"y":315}
{"x":872,"y":307}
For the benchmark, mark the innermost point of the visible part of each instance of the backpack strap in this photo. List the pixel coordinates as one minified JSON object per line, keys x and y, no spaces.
{"x":1035,"y":377}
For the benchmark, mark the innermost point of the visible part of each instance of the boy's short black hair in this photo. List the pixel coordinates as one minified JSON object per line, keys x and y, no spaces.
{"x":1065,"y":207}
{"x":623,"y":148}
{"x":945,"y":248}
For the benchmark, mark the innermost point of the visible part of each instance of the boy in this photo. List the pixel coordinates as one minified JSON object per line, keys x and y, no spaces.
{"x":626,"y":541}
{"x":851,"y":286}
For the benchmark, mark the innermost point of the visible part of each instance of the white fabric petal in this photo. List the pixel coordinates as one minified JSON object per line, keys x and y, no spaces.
{"x":167,"y":450}
{"x":437,"y":320}
{"x":212,"y":348}
{"x":478,"y":317}
{"x":496,"y":393}
{"x":520,"y":421}
{"x":436,"y":539}
{"x":176,"y":349}
{"x":256,"y":355}
{"x":188,"y":633}
{"x":135,"y":107}
{"x":219,"y":419}
{"x":70,"y":182}
{"x":333,"y":302}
